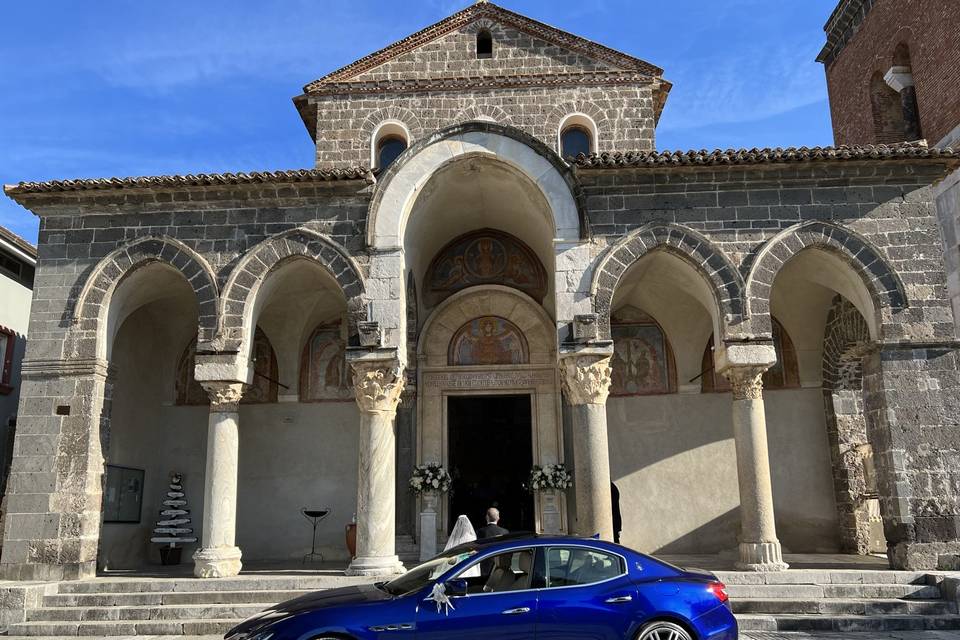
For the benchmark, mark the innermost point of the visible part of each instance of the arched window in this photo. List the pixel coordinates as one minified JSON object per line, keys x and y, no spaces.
{"x":782,"y":375}
{"x":324,"y":374}
{"x":642,"y":363}
{"x":888,"y":122}
{"x":264,"y":387}
{"x":578,"y":134}
{"x":484,"y":44}
{"x":389,"y":140}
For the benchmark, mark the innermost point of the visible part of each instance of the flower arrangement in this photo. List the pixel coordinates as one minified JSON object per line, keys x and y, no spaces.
{"x":550,"y":477}
{"x":430,"y":477}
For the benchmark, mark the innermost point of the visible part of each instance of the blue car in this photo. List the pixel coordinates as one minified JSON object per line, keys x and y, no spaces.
{"x":512,"y":587}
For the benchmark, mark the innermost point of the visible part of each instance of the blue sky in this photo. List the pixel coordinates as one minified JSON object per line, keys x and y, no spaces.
{"x":113,"y":87}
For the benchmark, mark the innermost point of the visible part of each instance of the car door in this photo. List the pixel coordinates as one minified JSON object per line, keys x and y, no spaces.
{"x":587,"y":594}
{"x":499,"y":604}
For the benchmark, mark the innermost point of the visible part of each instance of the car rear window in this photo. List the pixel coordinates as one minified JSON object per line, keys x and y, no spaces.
{"x":575,"y":566}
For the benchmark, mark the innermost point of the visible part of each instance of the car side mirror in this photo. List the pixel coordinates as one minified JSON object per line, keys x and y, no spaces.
{"x":456,"y":588}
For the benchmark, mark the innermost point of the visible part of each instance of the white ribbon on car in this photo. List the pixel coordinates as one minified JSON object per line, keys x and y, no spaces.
{"x":439,"y":595}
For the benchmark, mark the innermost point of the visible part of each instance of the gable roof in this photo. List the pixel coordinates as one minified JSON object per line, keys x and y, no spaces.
{"x":485,"y":9}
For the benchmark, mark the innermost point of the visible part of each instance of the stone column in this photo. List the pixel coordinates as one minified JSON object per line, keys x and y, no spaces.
{"x":585,"y":375}
{"x":378,"y":382}
{"x":759,"y":547}
{"x":900,"y":79}
{"x":219,"y":556}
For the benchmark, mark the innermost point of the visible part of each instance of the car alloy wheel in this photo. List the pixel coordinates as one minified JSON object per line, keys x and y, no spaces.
{"x":663,"y":630}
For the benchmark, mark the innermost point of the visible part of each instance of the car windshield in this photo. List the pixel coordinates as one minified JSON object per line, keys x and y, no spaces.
{"x":421,"y":576}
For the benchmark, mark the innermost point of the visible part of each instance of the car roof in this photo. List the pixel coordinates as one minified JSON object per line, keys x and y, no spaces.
{"x":521,"y":538}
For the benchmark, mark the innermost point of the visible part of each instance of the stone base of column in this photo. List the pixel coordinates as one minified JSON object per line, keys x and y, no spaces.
{"x":379,"y":566}
{"x":761,"y":556}
{"x":219,"y":562}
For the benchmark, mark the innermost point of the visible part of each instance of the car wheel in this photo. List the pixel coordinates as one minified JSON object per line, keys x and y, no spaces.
{"x":663,"y":630}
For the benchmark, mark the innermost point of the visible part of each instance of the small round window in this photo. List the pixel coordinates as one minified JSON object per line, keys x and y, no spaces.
{"x":575,"y":140}
{"x":389,"y":149}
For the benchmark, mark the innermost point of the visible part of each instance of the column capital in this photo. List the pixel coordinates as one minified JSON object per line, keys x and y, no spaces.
{"x":377,"y":379}
{"x":585,"y":374}
{"x":746,"y":383}
{"x":224,"y":396}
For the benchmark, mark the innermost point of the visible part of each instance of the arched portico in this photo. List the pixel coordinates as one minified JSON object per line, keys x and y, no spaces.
{"x":556,"y":215}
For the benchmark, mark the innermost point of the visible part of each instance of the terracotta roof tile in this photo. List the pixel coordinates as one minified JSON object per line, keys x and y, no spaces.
{"x":718,"y":157}
{"x":190,"y":180}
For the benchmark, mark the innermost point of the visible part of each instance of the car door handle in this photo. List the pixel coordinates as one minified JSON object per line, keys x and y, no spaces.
{"x":619,"y":600}
{"x":516,"y":612}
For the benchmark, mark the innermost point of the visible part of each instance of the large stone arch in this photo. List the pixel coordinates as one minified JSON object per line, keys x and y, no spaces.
{"x":882,"y":283}
{"x":240,"y":292}
{"x":398,"y":188}
{"x":488,"y":300}
{"x":708,"y":260}
{"x":93,"y":303}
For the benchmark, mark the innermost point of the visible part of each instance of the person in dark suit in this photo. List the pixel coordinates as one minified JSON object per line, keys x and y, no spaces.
{"x":493,"y":528}
{"x":617,"y":517}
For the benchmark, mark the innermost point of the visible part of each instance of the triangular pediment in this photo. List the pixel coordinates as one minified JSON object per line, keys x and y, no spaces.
{"x":523,"y":47}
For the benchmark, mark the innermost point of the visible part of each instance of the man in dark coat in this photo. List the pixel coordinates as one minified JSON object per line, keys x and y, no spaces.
{"x":493,"y":528}
{"x":617,"y":518}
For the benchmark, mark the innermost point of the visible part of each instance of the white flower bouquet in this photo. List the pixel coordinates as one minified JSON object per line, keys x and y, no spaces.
{"x":430,"y":477}
{"x":551,"y":477}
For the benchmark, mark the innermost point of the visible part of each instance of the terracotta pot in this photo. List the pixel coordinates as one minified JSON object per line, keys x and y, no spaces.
{"x":351,"y":535}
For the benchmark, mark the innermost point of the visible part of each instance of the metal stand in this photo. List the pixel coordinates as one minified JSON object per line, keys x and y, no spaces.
{"x":314,"y":516}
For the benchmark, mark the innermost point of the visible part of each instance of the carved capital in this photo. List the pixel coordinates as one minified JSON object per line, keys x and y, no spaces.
{"x":585,"y":378}
{"x":224,"y":396}
{"x":378,"y":384}
{"x":745,"y":382}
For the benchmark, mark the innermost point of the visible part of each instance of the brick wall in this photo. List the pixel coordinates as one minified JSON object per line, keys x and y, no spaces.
{"x":866,"y":47}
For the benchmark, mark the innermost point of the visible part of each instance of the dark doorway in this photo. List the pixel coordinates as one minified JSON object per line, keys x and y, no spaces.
{"x":491,"y":453}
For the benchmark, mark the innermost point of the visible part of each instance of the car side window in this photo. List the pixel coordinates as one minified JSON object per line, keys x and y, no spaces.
{"x":575,"y":566}
{"x":508,"y":571}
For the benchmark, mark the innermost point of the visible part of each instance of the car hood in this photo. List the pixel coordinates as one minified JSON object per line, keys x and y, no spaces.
{"x":333,"y":598}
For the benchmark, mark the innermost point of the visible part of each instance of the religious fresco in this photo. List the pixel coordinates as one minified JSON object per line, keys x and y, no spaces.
{"x":784,"y":374}
{"x":642,"y":362}
{"x":488,"y":340}
{"x":324,"y":374}
{"x":484,"y":257}
{"x":264,"y":387}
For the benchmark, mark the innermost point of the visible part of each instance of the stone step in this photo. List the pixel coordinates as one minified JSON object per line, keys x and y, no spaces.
{"x":328,"y":580}
{"x":115,"y":628}
{"x":169,"y":598}
{"x":760,"y":622}
{"x":816,"y":576}
{"x":836,"y":606}
{"x":850,"y":591}
{"x":144,"y":613}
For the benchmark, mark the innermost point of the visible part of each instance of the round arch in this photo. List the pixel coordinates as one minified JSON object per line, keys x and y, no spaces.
{"x":92,"y":309}
{"x":513,"y":306}
{"x":397,"y":190}
{"x":717,"y":271}
{"x":241,"y":291}
{"x":883,"y":287}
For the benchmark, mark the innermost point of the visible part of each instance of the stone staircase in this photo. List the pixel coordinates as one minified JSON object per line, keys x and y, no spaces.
{"x":801,"y":600}
{"x":840,"y":601}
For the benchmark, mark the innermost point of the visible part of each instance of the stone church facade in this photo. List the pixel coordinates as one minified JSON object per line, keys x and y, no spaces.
{"x":756,"y":346}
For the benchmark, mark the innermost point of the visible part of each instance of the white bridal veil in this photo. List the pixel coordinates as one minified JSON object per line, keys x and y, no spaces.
{"x":462,"y":533}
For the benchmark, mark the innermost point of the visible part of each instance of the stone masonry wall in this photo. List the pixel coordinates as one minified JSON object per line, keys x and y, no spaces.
{"x":929,"y":29}
{"x":346,"y":123}
{"x":455,"y":56}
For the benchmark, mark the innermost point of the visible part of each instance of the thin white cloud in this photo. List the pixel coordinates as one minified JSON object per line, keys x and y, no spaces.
{"x":754,"y":83}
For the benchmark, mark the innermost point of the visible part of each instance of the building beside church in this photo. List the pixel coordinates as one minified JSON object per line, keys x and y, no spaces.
{"x":491,"y":268}
{"x":893,"y":73}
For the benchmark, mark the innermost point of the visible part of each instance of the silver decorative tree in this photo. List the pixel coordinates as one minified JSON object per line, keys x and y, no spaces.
{"x":173,"y":528}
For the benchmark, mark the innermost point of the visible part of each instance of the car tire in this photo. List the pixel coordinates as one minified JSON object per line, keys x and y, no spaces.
{"x":663,"y":630}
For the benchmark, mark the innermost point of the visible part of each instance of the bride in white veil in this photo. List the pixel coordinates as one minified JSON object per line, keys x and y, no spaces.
{"x":463,"y":533}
